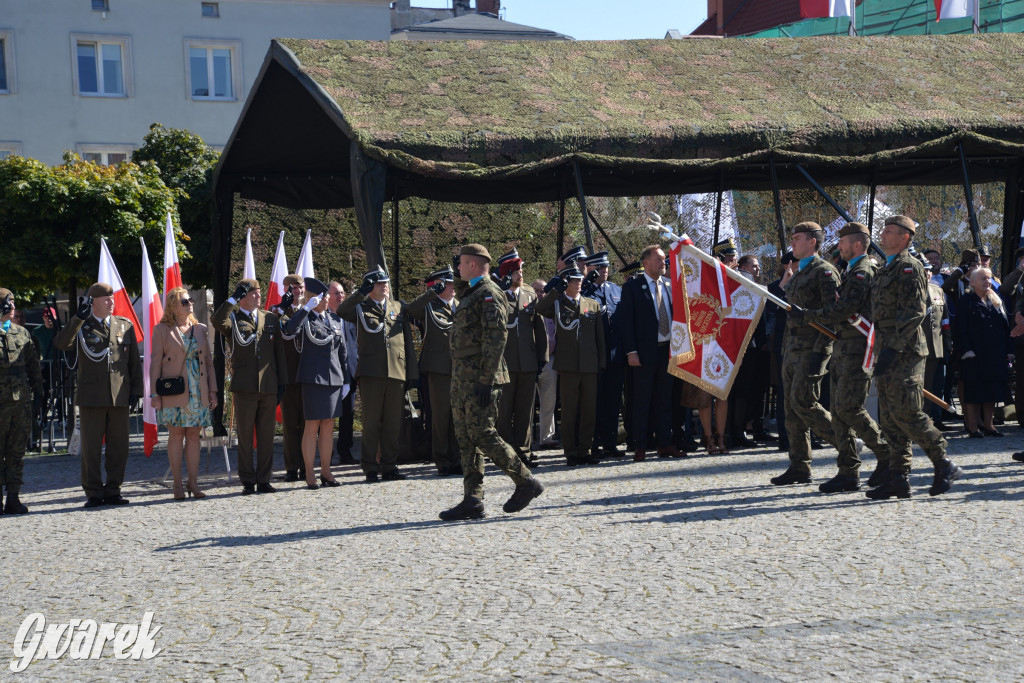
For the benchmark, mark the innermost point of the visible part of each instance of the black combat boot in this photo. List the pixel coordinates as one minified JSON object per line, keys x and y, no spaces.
{"x":791,"y":476}
{"x":14,"y":506}
{"x":895,"y":484}
{"x":524,"y":493}
{"x":840,"y":483}
{"x":880,"y":474}
{"x":1018,"y":456}
{"x":946,"y":472}
{"x":471,"y":507}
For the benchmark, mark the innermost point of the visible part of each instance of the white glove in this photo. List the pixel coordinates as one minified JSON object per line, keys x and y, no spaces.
{"x":344,"y":391}
{"x":312,"y":303}
{"x":969,"y":354}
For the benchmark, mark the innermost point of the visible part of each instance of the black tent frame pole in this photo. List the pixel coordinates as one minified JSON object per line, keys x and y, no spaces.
{"x":1012,"y":218}
{"x":718,"y":210}
{"x":560,"y":247}
{"x":396,"y":280}
{"x":779,"y":223}
{"x":969,"y":196}
{"x":871,"y":207}
{"x":607,"y":238}
{"x":835,"y":205}
{"x":583,"y":207}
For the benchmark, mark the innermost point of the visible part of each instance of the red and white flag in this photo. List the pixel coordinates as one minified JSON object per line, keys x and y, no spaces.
{"x":713,"y":319}
{"x":813,"y":9}
{"x":122,"y":303}
{"x":955,"y":9}
{"x":275,"y":290}
{"x":305,"y":265}
{"x":249,"y":267}
{"x":172,"y":271}
{"x":152,"y":312}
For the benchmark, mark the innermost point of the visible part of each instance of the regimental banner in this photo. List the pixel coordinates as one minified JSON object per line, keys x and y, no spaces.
{"x":713,"y":318}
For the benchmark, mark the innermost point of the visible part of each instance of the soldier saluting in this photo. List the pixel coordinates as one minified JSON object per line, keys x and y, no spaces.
{"x":20,"y":381}
{"x":478,"y":371}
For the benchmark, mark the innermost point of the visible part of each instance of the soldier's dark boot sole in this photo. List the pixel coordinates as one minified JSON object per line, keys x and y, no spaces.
{"x":879,"y":476}
{"x":840,"y":484}
{"x":523,"y":495}
{"x":791,"y":477}
{"x":887,"y":491}
{"x":469,"y":508}
{"x":945,"y":477}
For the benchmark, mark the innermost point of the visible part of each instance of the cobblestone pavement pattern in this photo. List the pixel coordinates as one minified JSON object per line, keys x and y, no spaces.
{"x":655,"y":571}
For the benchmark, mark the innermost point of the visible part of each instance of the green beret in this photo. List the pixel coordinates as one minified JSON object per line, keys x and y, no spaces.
{"x":903,"y":222}
{"x":475,"y":250}
{"x":100,"y":289}
{"x":292,"y":279}
{"x":245,"y":281}
{"x":807,"y":226}
{"x":854,"y":229}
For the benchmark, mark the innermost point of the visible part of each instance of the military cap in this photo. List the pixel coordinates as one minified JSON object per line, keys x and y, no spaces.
{"x":807,"y":226}
{"x":5,"y":294}
{"x":445,"y":274}
{"x":924,"y":262}
{"x":854,"y":229}
{"x":597,"y":260}
{"x":969,"y":256}
{"x":984,"y":251}
{"x":631,"y":269}
{"x":509,"y":266}
{"x":377,"y":275}
{"x":508,"y":256}
{"x":903,"y":222}
{"x":574,"y":254}
{"x":571,"y":273}
{"x":292,"y":279}
{"x":475,"y":250}
{"x":724,"y":248}
{"x":103,"y":289}
{"x":315,"y":287}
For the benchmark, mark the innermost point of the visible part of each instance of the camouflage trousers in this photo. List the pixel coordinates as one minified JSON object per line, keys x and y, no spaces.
{"x":850,"y":385}
{"x":15,"y":426}
{"x":478,"y":437}
{"x":901,"y":413}
{"x":804,"y":411}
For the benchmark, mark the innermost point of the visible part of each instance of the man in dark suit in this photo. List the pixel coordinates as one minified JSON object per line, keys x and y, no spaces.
{"x":258,"y":374}
{"x":645,"y":322}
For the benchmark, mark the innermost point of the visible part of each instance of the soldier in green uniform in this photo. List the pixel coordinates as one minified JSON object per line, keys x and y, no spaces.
{"x":435,"y":308}
{"x":478,"y":371}
{"x":579,"y":355}
{"x":849,"y":381}
{"x":899,"y":299}
{"x":20,"y":380}
{"x":109,"y":383}
{"x":526,"y":352}
{"x":805,"y":352}
{"x":293,"y":422}
{"x":387,"y":359}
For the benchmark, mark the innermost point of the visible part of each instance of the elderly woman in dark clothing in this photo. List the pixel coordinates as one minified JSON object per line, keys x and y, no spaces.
{"x":983,"y":341}
{"x":323,"y":374}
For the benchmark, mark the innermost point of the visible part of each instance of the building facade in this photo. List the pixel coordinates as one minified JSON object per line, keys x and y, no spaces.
{"x":90,"y":76}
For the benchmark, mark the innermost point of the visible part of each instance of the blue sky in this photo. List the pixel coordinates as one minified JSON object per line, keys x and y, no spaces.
{"x":601,"y":19}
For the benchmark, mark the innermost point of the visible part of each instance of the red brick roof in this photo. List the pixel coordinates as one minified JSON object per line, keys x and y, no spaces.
{"x":748,"y":16}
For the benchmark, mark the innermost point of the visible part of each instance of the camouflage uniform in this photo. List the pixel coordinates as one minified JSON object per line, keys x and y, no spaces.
{"x":849,"y":382}
{"x":20,"y":378}
{"x":899,"y":297}
{"x":805,"y":353}
{"x":478,"y":343}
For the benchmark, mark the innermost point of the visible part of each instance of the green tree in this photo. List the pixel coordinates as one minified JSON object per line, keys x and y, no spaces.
{"x":52,"y":219}
{"x":185,"y":163}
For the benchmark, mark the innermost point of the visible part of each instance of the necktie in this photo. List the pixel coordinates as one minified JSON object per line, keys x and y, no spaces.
{"x":662,"y":312}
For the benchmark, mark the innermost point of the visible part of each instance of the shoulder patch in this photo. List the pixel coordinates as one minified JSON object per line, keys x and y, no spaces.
{"x":860,"y":276}
{"x":908,"y":269}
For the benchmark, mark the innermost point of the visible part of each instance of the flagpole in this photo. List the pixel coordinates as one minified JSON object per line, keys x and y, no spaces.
{"x":977,"y":16}
{"x":853,"y":18}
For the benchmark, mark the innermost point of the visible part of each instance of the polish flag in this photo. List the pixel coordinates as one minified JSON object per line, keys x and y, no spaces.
{"x":275,"y":290}
{"x":953,"y":9}
{"x":172,"y":271}
{"x":304,"y":267}
{"x":813,"y":9}
{"x":249,"y":269}
{"x":152,"y":312}
{"x":122,"y":304}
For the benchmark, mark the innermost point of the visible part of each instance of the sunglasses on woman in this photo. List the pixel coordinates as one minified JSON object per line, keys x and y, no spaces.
{"x":187,"y":302}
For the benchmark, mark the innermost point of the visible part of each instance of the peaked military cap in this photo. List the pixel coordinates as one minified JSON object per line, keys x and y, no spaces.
{"x":903,"y":222}
{"x":597,"y":260}
{"x":631,"y":269}
{"x":376,"y":275}
{"x":574,"y":254}
{"x":571,"y":273}
{"x":984,"y":251}
{"x":445,"y":274}
{"x":969,"y":256}
{"x":854,"y":229}
{"x":315,"y":287}
{"x":103,"y":289}
{"x":724,"y":248}
{"x":508,"y":256}
{"x":475,"y":250}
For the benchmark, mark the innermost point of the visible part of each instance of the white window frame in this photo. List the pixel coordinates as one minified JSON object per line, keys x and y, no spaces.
{"x":10,"y":148}
{"x":235,"y":46}
{"x":215,"y":6}
{"x":105,"y":149}
{"x":7,"y":35}
{"x":126,"y":62}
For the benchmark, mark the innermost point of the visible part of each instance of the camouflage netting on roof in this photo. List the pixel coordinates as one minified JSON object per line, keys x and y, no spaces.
{"x":498,"y":109}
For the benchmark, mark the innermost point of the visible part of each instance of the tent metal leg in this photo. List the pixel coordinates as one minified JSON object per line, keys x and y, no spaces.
{"x":779,"y":223}
{"x":835,"y":205}
{"x":607,"y":238}
{"x":969,"y":197}
{"x":583,"y":207}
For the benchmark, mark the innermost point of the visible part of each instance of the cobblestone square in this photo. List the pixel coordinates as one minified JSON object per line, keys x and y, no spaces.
{"x":657,"y":571}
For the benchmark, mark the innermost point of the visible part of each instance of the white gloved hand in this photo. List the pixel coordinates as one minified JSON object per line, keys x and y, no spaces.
{"x":969,"y":354}
{"x":312,"y":302}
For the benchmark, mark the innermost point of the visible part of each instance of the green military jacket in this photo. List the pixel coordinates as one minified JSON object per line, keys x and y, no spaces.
{"x":20,"y":376}
{"x":526,"y":349}
{"x":109,"y":365}
{"x":899,"y":301}
{"x":854,"y":298}
{"x":258,"y":363}
{"x":437,"y":316}
{"x":812,"y":287}
{"x":479,"y":333}
{"x":291,"y":354}
{"x":383,"y":337}
{"x":579,"y":332}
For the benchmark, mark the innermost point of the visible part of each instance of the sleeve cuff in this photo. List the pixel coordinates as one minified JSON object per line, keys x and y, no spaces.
{"x":231,"y":300}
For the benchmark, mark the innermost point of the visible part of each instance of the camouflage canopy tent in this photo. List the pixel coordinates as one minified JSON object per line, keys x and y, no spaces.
{"x":344,"y":123}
